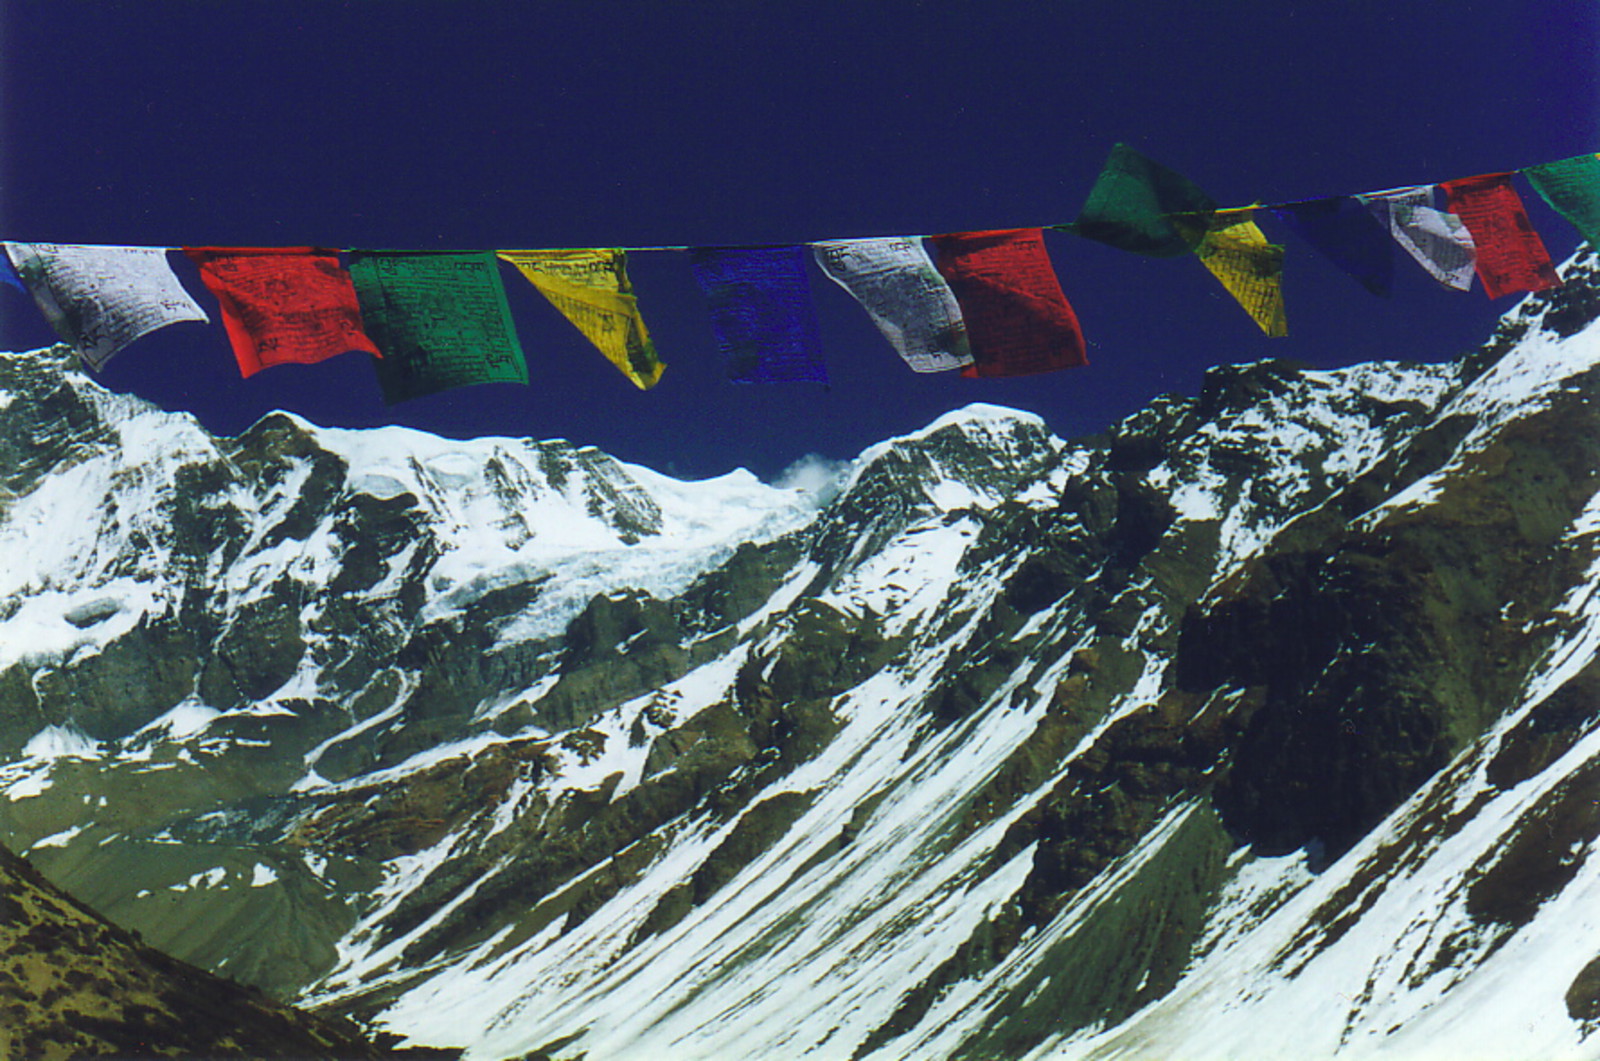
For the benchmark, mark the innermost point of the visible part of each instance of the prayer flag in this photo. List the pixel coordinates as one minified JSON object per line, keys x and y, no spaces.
{"x":1510,"y":255}
{"x":1238,"y":254}
{"x":1018,"y":320}
{"x":100,"y":299}
{"x":1345,"y":230}
{"x":282,"y":305}
{"x":1572,"y":186}
{"x":1438,"y":241}
{"x":895,"y":281}
{"x":591,"y":288}
{"x":761,"y":312}
{"x":1140,"y":205}
{"x":8,"y":274}
{"x":440,"y":320}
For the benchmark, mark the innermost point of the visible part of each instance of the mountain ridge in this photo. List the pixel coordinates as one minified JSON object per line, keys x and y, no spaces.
{"x":1014,"y":746}
{"x":74,"y":985}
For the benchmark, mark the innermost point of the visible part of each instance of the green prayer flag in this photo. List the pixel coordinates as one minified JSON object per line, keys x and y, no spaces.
{"x":440,"y":321}
{"x":1572,"y":186}
{"x":1133,"y":203}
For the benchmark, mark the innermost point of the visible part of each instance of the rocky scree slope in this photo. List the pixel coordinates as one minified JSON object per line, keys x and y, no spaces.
{"x":1269,"y":712}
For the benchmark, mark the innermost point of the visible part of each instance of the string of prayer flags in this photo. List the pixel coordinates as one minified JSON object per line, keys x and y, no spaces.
{"x":1572,"y":187}
{"x":1510,"y":255}
{"x":1238,"y":253}
{"x":100,"y":299}
{"x":1018,"y":320}
{"x":1344,"y":230}
{"x":986,"y":302}
{"x":591,"y":288}
{"x":761,"y":312}
{"x":1139,"y":205}
{"x":1438,"y":241}
{"x":440,"y":320}
{"x":895,"y":281}
{"x":282,"y":305}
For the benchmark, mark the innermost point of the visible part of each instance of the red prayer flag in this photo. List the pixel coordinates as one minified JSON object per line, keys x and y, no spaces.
{"x":1511,"y":256}
{"x":282,"y":304}
{"x":1018,"y":320}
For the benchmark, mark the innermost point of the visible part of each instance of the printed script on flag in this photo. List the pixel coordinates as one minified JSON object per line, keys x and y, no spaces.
{"x":100,"y":299}
{"x":591,"y":288}
{"x":439,"y":320}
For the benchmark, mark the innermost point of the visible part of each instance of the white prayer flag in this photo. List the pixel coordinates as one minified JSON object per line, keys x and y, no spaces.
{"x":896,"y":283}
{"x":100,"y":299}
{"x":1439,"y":241}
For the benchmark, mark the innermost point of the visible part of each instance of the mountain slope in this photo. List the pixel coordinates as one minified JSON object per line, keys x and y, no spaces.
{"x":1269,"y":709}
{"x":74,"y":985}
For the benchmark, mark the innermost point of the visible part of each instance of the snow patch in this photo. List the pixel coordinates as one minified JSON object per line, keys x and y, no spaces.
{"x":207,"y":878}
{"x":61,"y":742}
{"x":61,"y":839}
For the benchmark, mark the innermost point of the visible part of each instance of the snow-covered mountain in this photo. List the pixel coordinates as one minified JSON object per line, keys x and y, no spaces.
{"x":1266,"y":724}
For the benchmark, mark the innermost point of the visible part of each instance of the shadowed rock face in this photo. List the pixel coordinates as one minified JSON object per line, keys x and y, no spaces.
{"x":1016,"y":739}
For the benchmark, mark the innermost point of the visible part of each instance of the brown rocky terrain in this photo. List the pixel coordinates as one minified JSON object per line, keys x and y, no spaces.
{"x":72,"y":985}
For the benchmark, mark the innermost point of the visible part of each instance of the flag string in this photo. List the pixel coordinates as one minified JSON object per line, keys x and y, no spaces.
{"x":987,"y":302}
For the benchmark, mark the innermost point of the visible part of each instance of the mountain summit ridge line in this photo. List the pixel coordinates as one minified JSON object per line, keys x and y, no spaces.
{"x":1262,"y":723}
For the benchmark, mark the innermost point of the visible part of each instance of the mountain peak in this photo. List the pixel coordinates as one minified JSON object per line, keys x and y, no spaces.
{"x":535,"y":751}
{"x":972,"y":455}
{"x":982,"y":414}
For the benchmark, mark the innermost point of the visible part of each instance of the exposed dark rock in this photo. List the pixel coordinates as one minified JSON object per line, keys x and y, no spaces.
{"x":66,"y":428}
{"x":1352,"y":722}
{"x":825,"y":652}
{"x":20,"y":714}
{"x":1229,"y":388}
{"x":1549,"y":730}
{"x":1383,"y":653}
{"x":1568,"y":309}
{"x":258,"y":651}
{"x":1144,"y":439}
{"x":738,"y":586}
{"x":617,"y":648}
{"x":1542,"y":853}
{"x":92,"y":612}
{"x":376,"y":531}
{"x":1583,"y":996}
{"x":133,"y":679}
{"x":271,"y":452}
{"x":756,"y":830}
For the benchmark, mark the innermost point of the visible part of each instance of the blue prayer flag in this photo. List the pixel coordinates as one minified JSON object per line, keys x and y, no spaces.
{"x":1342,"y":228}
{"x":8,"y":275}
{"x":761,"y":312}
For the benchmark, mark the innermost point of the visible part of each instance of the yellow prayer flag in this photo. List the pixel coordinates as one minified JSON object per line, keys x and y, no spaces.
{"x":1237,"y":253}
{"x":592,"y":290}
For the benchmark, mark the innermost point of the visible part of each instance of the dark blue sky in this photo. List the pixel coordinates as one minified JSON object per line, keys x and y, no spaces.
{"x":462,"y":124}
